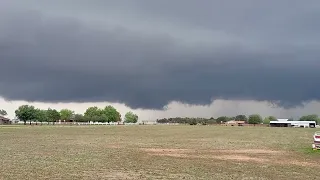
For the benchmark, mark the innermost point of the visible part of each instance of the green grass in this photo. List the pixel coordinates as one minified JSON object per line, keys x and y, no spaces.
{"x":157,"y":152}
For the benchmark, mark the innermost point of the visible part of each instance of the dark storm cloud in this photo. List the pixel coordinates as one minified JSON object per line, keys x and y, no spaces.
{"x":151,"y":53}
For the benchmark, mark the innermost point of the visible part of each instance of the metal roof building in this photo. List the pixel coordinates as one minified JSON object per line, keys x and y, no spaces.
{"x":287,"y":123}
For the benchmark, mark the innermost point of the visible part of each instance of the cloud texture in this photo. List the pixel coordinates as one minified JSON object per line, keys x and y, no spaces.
{"x":147,"y":54}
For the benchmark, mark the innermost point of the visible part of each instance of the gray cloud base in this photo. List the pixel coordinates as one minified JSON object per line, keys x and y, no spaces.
{"x":257,"y":55}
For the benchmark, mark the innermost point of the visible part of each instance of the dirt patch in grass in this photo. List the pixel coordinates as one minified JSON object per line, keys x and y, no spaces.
{"x":165,"y":151}
{"x":240,"y":158}
{"x":223,"y":151}
{"x":217,"y":151}
{"x":243,"y":155}
{"x":251,"y":151}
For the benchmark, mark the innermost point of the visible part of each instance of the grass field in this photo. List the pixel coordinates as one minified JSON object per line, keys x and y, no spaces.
{"x":157,"y":152}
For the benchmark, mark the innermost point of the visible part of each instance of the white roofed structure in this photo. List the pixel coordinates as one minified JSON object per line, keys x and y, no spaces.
{"x":287,"y":123}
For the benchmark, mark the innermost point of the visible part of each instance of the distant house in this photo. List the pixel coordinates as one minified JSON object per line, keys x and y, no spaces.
{"x":235,"y":123}
{"x":287,"y":123}
{"x":4,"y":120}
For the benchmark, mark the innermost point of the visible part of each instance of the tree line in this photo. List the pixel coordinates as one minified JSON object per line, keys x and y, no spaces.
{"x":251,"y":119}
{"x":109,"y":114}
{"x":29,"y":113}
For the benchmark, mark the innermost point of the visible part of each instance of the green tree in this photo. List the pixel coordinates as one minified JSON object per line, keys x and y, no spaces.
{"x":112,"y":115}
{"x":272,"y":118}
{"x":79,"y":118}
{"x":26,"y":113}
{"x":130,"y":117}
{"x":255,"y":119}
{"x":101,"y":118}
{"x":53,"y":115}
{"x":3,"y":112}
{"x":41,"y":115}
{"x":92,"y":112}
{"x":311,"y":117}
{"x":241,"y":118}
{"x":222,"y":119}
{"x":66,"y":114}
{"x":268,"y":119}
{"x":193,"y":121}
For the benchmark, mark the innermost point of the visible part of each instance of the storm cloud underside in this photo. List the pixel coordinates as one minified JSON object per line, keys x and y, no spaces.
{"x":147,"y":54}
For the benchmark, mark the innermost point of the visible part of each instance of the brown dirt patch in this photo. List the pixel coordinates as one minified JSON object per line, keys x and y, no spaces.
{"x":155,"y":150}
{"x":244,"y":155}
{"x":174,"y":155}
{"x":218,"y":151}
{"x":237,"y":155}
{"x":240,"y":158}
{"x":251,"y":151}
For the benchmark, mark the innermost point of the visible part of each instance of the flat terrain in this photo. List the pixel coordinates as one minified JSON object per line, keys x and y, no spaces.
{"x":157,"y":152}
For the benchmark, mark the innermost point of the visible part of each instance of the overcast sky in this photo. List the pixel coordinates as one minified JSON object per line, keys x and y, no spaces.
{"x":217,"y":56}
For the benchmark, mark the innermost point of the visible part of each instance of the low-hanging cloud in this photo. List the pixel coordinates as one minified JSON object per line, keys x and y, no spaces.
{"x":195,"y":54}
